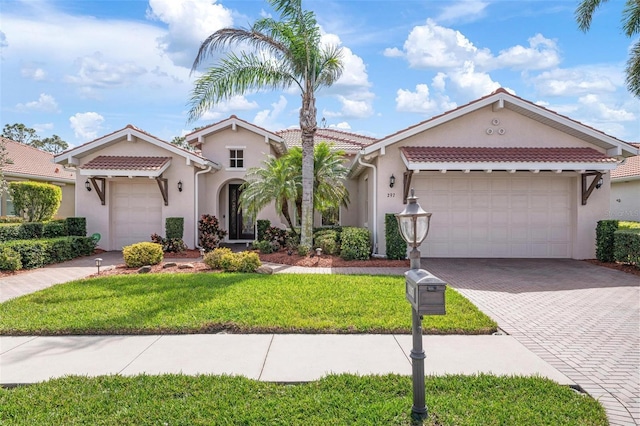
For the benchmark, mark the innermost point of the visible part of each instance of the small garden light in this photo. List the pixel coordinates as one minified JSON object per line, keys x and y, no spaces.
{"x":98,"y":263}
{"x":201,"y":252}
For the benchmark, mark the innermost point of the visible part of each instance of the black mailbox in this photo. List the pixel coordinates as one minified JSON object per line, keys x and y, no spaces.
{"x":425,"y":292}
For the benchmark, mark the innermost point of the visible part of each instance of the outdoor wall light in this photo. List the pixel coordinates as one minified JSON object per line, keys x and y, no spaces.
{"x":179,"y":186}
{"x":392,"y":181}
{"x":87,"y":185}
{"x":98,"y":264}
{"x":599,"y":184}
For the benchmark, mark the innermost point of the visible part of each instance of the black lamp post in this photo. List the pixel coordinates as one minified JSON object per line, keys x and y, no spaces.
{"x":414,"y":222}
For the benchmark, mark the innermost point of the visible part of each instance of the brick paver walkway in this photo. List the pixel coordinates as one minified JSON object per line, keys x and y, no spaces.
{"x":581,"y":318}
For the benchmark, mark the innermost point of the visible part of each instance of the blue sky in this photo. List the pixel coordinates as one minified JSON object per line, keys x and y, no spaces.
{"x":82,"y":69}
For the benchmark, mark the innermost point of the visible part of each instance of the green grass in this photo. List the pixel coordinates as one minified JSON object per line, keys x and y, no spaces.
{"x":334,"y":400}
{"x":207,"y":302}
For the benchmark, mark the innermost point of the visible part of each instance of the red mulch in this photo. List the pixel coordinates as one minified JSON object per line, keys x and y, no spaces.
{"x":326,"y":261}
{"x":630,"y":269}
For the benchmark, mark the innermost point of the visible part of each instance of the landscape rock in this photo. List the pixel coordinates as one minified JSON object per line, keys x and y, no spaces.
{"x":264,"y":270}
{"x":169,"y":265}
{"x":144,"y":270}
{"x":186,"y":266}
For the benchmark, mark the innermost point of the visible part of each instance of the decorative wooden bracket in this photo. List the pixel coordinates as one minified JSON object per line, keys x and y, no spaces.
{"x":164,"y":189}
{"x":406,"y":183}
{"x":587,"y":190}
{"x":100,"y":189}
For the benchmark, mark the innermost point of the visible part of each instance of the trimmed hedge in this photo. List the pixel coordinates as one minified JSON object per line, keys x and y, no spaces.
{"x":11,"y":219}
{"x":396,"y":245}
{"x":36,"y":201}
{"x":356,"y":244}
{"x":31,"y":230}
{"x":604,"y":240}
{"x":174,"y":228}
{"x":9,"y":232}
{"x":76,"y":226}
{"x":328,"y":240}
{"x":223,"y":258}
{"x":54,"y":229}
{"x":627,"y":246}
{"x":38,"y":253}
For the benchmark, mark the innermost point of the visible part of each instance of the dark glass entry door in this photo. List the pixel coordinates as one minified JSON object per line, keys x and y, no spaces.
{"x":240,"y":228}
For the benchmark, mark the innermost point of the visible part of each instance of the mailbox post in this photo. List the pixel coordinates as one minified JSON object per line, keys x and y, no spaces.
{"x":424,"y":291}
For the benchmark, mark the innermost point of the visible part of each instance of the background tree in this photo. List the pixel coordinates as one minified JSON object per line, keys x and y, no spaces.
{"x":277,"y":55}
{"x":631,"y":27}
{"x":3,"y":160}
{"x":20,"y":133}
{"x":181,"y":141}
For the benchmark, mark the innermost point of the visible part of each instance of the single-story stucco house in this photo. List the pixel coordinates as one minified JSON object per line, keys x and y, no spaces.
{"x":26,"y":163}
{"x":625,"y":189}
{"x":502,"y":176}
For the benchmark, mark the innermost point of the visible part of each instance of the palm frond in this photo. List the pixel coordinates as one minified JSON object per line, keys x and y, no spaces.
{"x":584,"y":13}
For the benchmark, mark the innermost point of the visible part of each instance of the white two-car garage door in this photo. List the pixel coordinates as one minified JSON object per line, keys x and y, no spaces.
{"x":497,"y":214}
{"x":136,"y":212}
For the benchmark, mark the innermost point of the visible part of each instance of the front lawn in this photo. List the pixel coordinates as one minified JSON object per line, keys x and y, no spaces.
{"x":245,"y":303}
{"x":333,"y":400}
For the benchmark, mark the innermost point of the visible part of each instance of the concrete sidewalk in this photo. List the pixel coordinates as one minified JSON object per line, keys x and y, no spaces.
{"x":266,"y":357}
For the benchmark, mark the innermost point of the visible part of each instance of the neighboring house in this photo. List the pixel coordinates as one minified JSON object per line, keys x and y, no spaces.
{"x":502,"y":176}
{"x":625,"y":189}
{"x":26,"y":163}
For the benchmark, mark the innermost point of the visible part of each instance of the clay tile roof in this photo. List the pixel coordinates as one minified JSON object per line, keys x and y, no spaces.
{"x":439,"y":154}
{"x":27,"y":160}
{"x":112,"y":162}
{"x":340,"y":139}
{"x":630,"y":168}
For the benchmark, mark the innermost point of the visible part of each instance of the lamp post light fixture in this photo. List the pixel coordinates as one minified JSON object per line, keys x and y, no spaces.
{"x":87,"y":185}
{"x":424,"y":291}
{"x":414,"y":223}
{"x":98,"y":263}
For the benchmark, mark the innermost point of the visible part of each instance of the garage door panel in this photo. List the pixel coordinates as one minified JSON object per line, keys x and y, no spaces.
{"x":136,"y":212}
{"x":497,"y":216}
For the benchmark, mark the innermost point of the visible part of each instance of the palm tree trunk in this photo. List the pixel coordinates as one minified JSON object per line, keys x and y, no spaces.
{"x":308,"y":125}
{"x":287,"y":216}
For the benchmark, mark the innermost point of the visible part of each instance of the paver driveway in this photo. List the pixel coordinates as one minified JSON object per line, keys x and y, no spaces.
{"x":581,"y":318}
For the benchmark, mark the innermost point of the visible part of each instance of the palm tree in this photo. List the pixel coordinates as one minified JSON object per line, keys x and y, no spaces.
{"x":278,"y":55}
{"x":329,"y":175}
{"x":276,"y":181}
{"x":631,"y":26}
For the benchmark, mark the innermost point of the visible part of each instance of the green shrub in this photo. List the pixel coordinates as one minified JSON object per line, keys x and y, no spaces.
{"x":604,"y":240}
{"x":33,"y":253}
{"x":54,"y":229}
{"x":248,"y":261}
{"x":327,"y":240}
{"x":627,"y":246}
{"x":355,"y":244}
{"x":31,"y":230}
{"x":276,"y":236}
{"x":10,"y":259}
{"x":302,"y":250}
{"x":174,"y":228}
{"x":36,"y":201}
{"x":141,"y":254}
{"x":169,"y":245}
{"x":628,"y":225}
{"x":210,"y":232}
{"x":396,"y":245}
{"x":263,"y":225}
{"x":76,"y":226}
{"x":264,"y":247}
{"x":11,"y":219}
{"x":9,"y":232}
{"x":212,"y":259}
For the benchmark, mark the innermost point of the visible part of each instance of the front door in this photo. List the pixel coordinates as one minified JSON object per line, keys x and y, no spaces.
{"x":239,"y":228}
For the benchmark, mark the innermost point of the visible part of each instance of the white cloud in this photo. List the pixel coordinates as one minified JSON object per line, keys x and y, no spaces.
{"x":96,"y":73}
{"x":268,"y":118}
{"x":40,"y":128}
{"x":542,"y":53}
{"x":45,"y":103}
{"x":473,"y":84}
{"x":393,"y":52}
{"x":190,"y":23}
{"x":579,"y":81}
{"x":343,"y":125}
{"x":434,"y":46}
{"x":466,"y":11}
{"x":3,"y":39}
{"x":421,"y":101}
{"x":33,"y":73}
{"x":604,"y":112}
{"x":228,"y":107}
{"x":86,"y":125}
